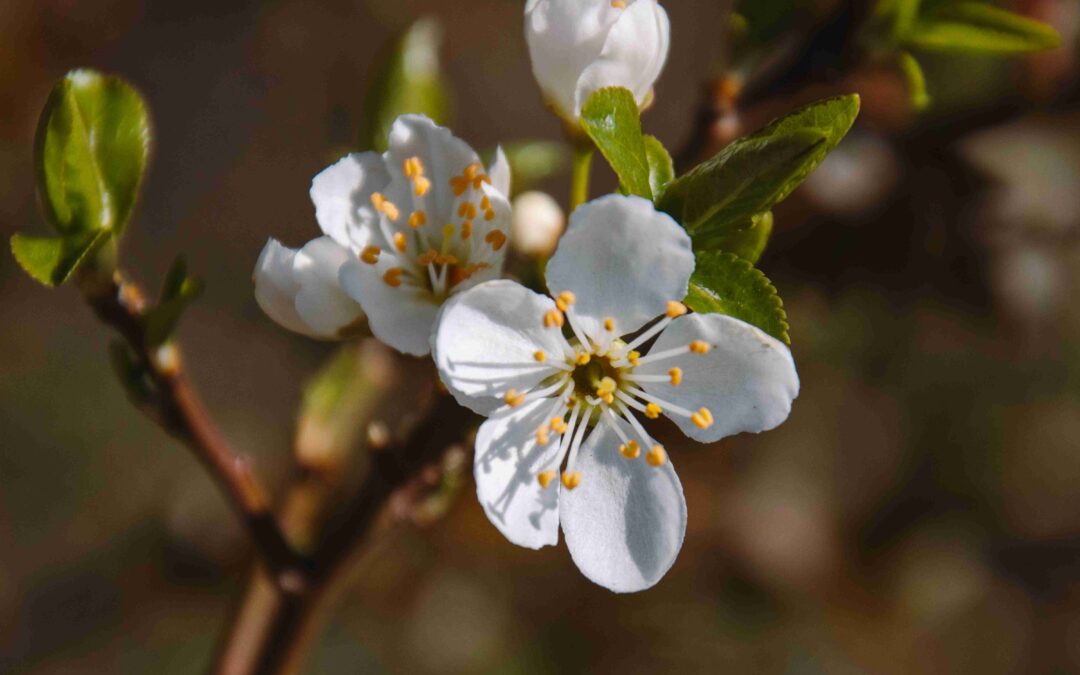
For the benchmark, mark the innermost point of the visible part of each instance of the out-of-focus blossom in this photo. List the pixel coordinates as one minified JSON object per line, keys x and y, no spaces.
{"x":411,"y":226}
{"x":572,"y":403}
{"x":536,"y":224}
{"x":579,"y":46}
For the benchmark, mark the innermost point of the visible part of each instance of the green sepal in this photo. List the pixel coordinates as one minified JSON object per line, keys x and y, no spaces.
{"x":177,"y":292}
{"x":724,"y":283}
{"x":611,"y":119}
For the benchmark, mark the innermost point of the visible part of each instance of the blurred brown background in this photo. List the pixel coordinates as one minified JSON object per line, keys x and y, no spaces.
{"x":919,"y":512}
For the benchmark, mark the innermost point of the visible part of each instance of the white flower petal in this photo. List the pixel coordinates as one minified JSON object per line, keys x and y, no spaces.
{"x":622,"y":259}
{"x":342,"y":197}
{"x":442,"y":155}
{"x":564,"y":37}
{"x":320,"y":302}
{"x":276,"y":288}
{"x":402,"y":316}
{"x":506,"y":464}
{"x":500,"y":172}
{"x":486,"y":341}
{"x":747,"y":380}
{"x":633,"y":54}
{"x":625,"y":523}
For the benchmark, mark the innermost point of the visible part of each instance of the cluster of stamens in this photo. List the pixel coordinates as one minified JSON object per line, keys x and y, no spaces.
{"x":598,"y":385}
{"x":429,"y":262}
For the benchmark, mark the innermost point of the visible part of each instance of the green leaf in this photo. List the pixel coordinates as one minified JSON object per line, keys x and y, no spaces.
{"x":131,"y":374}
{"x":408,"y":81}
{"x":534,"y":161}
{"x":661,"y":168}
{"x":747,"y":242}
{"x":981,"y":28}
{"x":51,"y":260}
{"x":92,"y":147}
{"x":610,"y":117}
{"x":177,"y":292}
{"x":754,"y":173}
{"x":916,"y":81}
{"x":726,"y":284}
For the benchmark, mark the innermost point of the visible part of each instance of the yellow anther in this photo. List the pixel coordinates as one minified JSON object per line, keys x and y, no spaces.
{"x":675,"y":309}
{"x":634,"y":358}
{"x":630,"y":450}
{"x":618,"y":4}
{"x":448,"y":230}
{"x":480,"y":180}
{"x":400,"y":242}
{"x":370,"y":254}
{"x":377,"y":200}
{"x":676,"y":376}
{"x":564,"y":300}
{"x":558,"y":425}
{"x":553,"y":318}
{"x":657,"y":456}
{"x":571,"y":480}
{"x":609,"y":325}
{"x":459,"y":184}
{"x":393,"y":276}
{"x":467,"y":210}
{"x":446,"y":260}
{"x":607,"y":386}
{"x":702,"y":419}
{"x":489,"y":215}
{"x":485,"y":203}
{"x":413,"y":167}
{"x":700,"y":347}
{"x":542,"y":437}
{"x":608,"y":398}
{"x":513,"y":398}
{"x":545,"y":478}
{"x":466,"y":229}
{"x":652,"y":411}
{"x":384,"y":205}
{"x":421,"y":185}
{"x":496,"y":238}
{"x":417,"y":219}
{"x":540,"y":356}
{"x":427,"y":257}
{"x":583,"y":358}
{"x":472,"y":171}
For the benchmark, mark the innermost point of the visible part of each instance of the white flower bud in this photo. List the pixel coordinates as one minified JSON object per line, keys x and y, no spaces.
{"x":579,"y":46}
{"x":536,"y":223}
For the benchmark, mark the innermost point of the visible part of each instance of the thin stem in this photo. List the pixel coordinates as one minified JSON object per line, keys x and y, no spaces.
{"x":173,"y":404}
{"x":579,"y":185}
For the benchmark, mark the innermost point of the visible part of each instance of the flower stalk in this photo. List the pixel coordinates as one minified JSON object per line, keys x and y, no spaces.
{"x":580,"y":173}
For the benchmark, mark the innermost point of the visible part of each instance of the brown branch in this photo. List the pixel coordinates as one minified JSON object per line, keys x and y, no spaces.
{"x":172,"y":402}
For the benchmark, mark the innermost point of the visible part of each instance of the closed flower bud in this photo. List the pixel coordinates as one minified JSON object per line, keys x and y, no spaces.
{"x":536,"y":223}
{"x":579,"y":46}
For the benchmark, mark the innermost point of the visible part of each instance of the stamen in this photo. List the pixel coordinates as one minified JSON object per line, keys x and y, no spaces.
{"x":496,"y":238}
{"x":399,"y":241}
{"x":489,"y":215}
{"x":370,"y":254}
{"x":583,"y":358}
{"x":702,"y":419}
{"x":467,"y":210}
{"x":540,"y":356}
{"x":657,"y":456}
{"x":675,"y":309}
{"x":652,"y":411}
{"x":472,"y":171}
{"x":377,"y":200}
{"x":459,"y":184}
{"x":542,"y":435}
{"x":413,"y":167}
{"x":607,"y":386}
{"x":630,"y":450}
{"x":564,"y":300}
{"x":393,"y":276}
{"x":384,"y":205}
{"x":513,"y":398}
{"x":446,"y":260}
{"x":485,"y":203}
{"x":553,"y":318}
{"x":545,"y":478}
{"x":427,"y":257}
{"x":618,"y":4}
{"x":447,"y":232}
{"x":609,"y":325}
{"x":669,"y":407}
{"x":558,"y":425}
{"x":466,"y":229}
{"x":700,"y":347}
{"x":417,"y":219}
{"x":634,"y":358}
{"x":571,"y":480}
{"x":676,"y":376}
{"x":421,"y":185}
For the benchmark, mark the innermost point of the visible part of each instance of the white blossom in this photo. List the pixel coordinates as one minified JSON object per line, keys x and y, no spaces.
{"x":565,"y":379}
{"x":579,"y":46}
{"x":414,"y":225}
